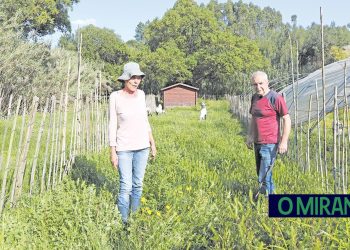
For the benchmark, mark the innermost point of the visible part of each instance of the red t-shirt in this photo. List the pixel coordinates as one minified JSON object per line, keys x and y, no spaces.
{"x":266,"y":112}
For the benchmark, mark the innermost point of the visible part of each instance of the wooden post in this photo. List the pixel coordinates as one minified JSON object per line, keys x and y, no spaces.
{"x":19,"y":151}
{"x":345,"y":129}
{"x":37,"y":148}
{"x":308,"y":135}
{"x":324,"y":104}
{"x":53,"y":98}
{"x":7,"y":166}
{"x":73,"y":137}
{"x":335,"y":126}
{"x":64,"y":131}
{"x":79,"y":99}
{"x":47,"y":146}
{"x":23,"y":161}
{"x":319,"y":134}
{"x":4,"y":139}
{"x":294,"y":103}
{"x":57,"y":171}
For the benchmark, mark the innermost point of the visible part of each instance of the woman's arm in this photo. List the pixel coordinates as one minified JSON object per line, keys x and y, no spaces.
{"x":153,"y":145}
{"x":112,"y":129}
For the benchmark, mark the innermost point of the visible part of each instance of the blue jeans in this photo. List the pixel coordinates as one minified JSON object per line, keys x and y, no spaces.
{"x":131,"y":167}
{"x":265,"y":155}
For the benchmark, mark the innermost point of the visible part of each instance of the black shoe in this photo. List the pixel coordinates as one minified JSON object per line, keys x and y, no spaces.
{"x":263,"y":190}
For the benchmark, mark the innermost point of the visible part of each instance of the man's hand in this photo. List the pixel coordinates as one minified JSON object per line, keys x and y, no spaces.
{"x":249,"y":142}
{"x":282,"y":147}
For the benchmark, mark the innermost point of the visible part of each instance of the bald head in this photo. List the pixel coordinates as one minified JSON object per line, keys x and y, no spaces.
{"x":261,"y":75}
{"x":260,"y":83}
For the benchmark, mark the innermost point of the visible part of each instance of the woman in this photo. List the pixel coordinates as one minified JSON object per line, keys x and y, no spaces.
{"x":130,"y":138}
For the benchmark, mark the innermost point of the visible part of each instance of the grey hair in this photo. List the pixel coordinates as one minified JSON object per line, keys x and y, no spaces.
{"x":259,"y":73}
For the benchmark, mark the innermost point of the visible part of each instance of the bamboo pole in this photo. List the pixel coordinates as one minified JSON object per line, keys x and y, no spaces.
{"x":53,"y":98}
{"x":95,"y":121}
{"x":7,"y":124}
{"x":105,"y":121}
{"x":72,"y":138}
{"x":99,"y":117}
{"x":294,"y":102}
{"x":87,"y":124}
{"x":37,"y":148}
{"x":297,"y":108}
{"x":324,"y":103}
{"x":57,"y":145}
{"x":23,"y":161}
{"x":338,"y":147}
{"x":345,"y":119}
{"x":319,"y":136}
{"x":301,"y":163}
{"x":343,"y":154}
{"x":64,"y":132}
{"x":19,"y":150}
{"x":43,"y":175}
{"x":78,"y":124}
{"x":7,"y":166}
{"x":308,"y":135}
{"x":346,"y":126}
{"x":58,"y":155}
{"x":335,"y":125}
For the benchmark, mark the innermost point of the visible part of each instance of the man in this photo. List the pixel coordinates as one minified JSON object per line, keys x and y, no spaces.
{"x":267,"y":107}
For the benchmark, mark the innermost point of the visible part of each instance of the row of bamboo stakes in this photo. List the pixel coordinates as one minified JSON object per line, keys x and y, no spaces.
{"x":59,"y":138}
{"x":55,"y":146}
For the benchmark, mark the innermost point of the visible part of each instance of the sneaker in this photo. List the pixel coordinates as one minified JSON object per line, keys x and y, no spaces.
{"x":263,"y":189}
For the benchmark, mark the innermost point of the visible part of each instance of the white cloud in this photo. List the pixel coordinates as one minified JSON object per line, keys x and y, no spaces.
{"x":84,"y":22}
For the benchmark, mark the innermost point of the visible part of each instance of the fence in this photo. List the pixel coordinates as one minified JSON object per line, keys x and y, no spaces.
{"x":39,"y":143}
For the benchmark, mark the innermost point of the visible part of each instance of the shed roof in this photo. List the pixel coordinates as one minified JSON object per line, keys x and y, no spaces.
{"x":179,"y":84}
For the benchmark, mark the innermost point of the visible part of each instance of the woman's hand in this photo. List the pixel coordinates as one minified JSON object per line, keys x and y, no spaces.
{"x":153,"y":151}
{"x":114,"y":160}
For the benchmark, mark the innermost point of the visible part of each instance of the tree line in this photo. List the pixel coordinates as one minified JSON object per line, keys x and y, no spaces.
{"x":214,"y":47}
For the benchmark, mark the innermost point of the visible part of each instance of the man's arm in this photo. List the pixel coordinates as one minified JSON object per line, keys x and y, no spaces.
{"x":250,"y":134}
{"x":283,"y":145}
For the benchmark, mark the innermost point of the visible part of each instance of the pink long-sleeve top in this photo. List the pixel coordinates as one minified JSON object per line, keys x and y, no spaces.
{"x":128,"y":121}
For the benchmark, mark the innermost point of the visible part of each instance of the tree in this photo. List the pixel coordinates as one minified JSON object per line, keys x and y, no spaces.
{"x":339,"y":53}
{"x":186,"y":23}
{"x":216,"y":59}
{"x":100,"y":45}
{"x":39,"y":17}
{"x":223,"y":66}
{"x":165,"y":66}
{"x":293,"y":19}
{"x":139,"y":36}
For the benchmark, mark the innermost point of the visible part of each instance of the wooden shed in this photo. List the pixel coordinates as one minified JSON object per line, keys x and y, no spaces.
{"x":179,"y":94}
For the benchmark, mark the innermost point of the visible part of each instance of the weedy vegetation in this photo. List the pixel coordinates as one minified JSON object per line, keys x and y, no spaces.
{"x":197,"y":195}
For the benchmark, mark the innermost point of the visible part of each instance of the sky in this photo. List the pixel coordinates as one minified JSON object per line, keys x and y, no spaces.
{"x":123,"y":16}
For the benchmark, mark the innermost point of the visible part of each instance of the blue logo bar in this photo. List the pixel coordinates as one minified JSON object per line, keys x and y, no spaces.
{"x":309,"y":205}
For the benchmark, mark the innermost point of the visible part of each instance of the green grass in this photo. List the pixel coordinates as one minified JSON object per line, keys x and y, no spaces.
{"x":197,"y":195}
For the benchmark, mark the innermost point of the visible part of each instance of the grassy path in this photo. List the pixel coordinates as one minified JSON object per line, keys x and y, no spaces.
{"x":197,"y":195}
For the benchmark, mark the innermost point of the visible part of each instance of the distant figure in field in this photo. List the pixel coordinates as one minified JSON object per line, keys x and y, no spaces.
{"x":203,"y":112}
{"x":149,"y":111}
{"x":267,"y":107}
{"x":338,"y":127}
{"x":159,"y":109}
